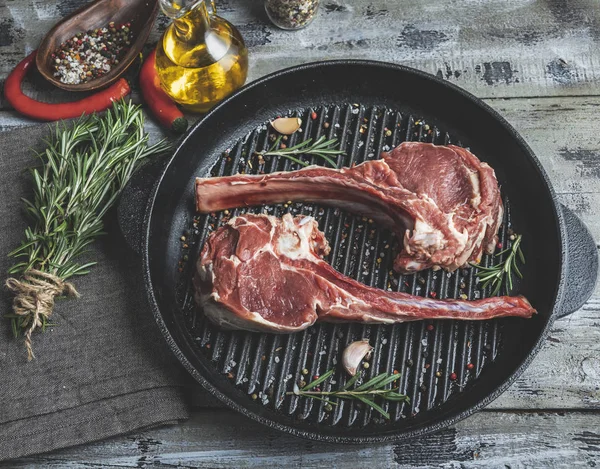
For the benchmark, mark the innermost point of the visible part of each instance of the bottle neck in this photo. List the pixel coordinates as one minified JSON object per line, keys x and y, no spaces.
{"x":193,"y":25}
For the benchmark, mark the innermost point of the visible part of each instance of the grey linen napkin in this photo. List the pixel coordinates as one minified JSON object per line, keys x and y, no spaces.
{"x":104,"y":370}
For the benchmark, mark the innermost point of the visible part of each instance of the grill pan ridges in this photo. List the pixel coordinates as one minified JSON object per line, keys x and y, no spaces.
{"x":267,"y":364}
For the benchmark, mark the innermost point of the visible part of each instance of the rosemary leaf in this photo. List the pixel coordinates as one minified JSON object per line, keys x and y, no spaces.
{"x":317,"y":381}
{"x":372,"y":404}
{"x":15,"y":330}
{"x":351,"y":381}
{"x":396,"y":397}
{"x":388,"y":380}
{"x":372,"y":382}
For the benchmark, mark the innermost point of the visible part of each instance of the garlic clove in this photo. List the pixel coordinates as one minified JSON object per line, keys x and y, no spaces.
{"x":286,"y":125}
{"x":353,"y":355}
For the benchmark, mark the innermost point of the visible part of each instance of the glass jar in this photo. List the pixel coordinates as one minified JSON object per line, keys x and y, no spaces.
{"x":291,"y":14}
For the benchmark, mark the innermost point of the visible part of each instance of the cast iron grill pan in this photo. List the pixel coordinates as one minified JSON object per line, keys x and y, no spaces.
{"x":265,"y":366}
{"x":252,"y":372}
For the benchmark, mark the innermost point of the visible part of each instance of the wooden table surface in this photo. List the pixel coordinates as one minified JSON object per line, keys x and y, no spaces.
{"x":537,"y":62}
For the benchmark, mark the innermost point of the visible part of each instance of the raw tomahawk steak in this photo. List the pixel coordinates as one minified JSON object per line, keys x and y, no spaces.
{"x":442,"y":202}
{"x":262,"y":273}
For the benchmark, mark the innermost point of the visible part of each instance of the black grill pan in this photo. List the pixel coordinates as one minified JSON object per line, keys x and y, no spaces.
{"x":369,"y":106}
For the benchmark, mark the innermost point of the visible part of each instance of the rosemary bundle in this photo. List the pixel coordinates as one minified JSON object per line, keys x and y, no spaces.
{"x":322,"y":148}
{"x":83,"y":170}
{"x":366,"y":393}
{"x":502,"y":273}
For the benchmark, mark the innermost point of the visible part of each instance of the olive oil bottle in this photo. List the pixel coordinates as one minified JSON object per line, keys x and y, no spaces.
{"x":201,"y":57}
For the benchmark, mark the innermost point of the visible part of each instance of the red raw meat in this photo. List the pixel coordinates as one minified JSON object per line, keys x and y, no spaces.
{"x":263,"y":273}
{"x":442,"y":202}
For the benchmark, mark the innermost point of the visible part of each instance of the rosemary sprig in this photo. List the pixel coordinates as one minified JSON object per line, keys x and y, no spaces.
{"x":495,"y":275}
{"x":322,"y":148}
{"x":366,"y":392}
{"x":81,"y":174}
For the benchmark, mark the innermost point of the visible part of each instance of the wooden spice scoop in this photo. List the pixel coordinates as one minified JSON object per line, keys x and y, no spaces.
{"x":141,"y":14}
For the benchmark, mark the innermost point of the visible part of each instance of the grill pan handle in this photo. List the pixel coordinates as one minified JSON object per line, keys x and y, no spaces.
{"x":133,"y":202}
{"x":581,"y":264}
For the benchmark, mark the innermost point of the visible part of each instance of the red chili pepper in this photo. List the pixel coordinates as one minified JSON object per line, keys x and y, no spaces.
{"x":161,"y":105}
{"x":51,"y":112}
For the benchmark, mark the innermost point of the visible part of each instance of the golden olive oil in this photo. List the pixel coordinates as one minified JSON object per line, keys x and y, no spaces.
{"x":201,"y":59}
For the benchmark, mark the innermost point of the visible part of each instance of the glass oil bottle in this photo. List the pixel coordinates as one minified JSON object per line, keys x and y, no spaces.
{"x":201,"y":57}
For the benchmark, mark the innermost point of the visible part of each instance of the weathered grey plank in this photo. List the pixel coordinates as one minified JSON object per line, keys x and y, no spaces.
{"x":489,"y":47}
{"x":219,"y":439}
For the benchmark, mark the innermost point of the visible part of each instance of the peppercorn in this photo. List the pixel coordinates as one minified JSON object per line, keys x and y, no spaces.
{"x":453,"y":376}
{"x":313,"y":115}
{"x":326,"y":125}
{"x":84,"y":50}
{"x":304,"y":371}
{"x":254,"y":397}
{"x":430,"y":327}
{"x":366,"y":365}
{"x":470,"y":366}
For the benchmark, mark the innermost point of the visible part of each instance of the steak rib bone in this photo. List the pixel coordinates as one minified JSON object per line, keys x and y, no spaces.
{"x":442,"y":203}
{"x":263,"y":273}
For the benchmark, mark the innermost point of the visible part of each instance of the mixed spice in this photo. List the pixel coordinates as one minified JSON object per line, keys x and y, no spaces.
{"x":291,"y":14}
{"x":87,"y":56}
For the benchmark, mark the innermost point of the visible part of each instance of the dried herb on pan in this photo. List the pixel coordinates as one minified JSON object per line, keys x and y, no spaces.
{"x":495,"y":275}
{"x":83,"y":170}
{"x":366,"y":393}
{"x":322,"y":148}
